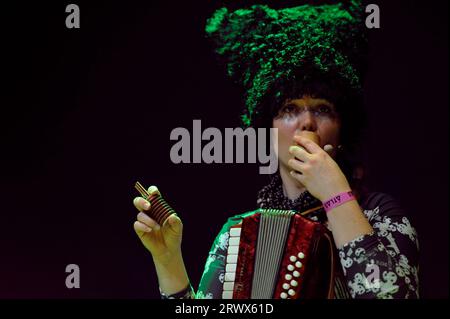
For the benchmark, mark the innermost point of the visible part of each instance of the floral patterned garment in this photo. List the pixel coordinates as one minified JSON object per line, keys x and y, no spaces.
{"x":381,"y":265}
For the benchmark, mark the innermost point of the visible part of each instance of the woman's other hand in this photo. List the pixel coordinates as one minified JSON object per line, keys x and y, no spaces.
{"x":316,"y":170}
{"x":163,"y":241}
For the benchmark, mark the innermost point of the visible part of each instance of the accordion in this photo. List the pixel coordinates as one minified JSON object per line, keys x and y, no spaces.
{"x":279,"y":254}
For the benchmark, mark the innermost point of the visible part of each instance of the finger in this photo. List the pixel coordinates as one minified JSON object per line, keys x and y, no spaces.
{"x":141,"y":228}
{"x":145,"y":219}
{"x":141,"y":204}
{"x":298,"y":176}
{"x":299,"y":153}
{"x":175,"y":224}
{"x":309,"y":145}
{"x":153,"y":190}
{"x":328,"y":148}
{"x":296,"y":165}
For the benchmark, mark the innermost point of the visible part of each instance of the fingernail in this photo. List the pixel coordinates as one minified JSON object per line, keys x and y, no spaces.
{"x":146,"y":205}
{"x":328,"y":148}
{"x":152,"y":189}
{"x":148,"y":229}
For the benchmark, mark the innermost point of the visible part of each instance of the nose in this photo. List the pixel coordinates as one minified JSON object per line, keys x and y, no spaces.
{"x":307,"y":122}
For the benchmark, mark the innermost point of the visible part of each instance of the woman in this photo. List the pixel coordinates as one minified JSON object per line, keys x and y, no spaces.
{"x":300,"y":87}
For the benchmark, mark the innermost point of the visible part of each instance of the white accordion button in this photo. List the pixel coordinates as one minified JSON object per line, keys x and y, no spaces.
{"x":298,"y":264}
{"x":232,"y":259}
{"x":296,"y":274}
{"x":234,"y":241}
{"x":290,"y":267}
{"x":235,"y":232}
{"x":231,"y":268}
{"x":294,"y":283}
{"x":288,"y":277}
{"x":301,"y":255}
{"x":228,"y":286}
{"x":233,"y":250}
{"x":293,"y":259}
{"x":283,"y":295}
{"x":229,"y":276}
{"x":291,"y":292}
{"x":286,"y":286}
{"x":227,"y":295}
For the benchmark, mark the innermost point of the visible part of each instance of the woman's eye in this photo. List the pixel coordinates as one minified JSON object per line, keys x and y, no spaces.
{"x":324,"y":109}
{"x":289,"y":109}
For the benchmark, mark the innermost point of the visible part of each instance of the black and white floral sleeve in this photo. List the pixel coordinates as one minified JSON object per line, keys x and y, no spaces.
{"x":187,"y":293}
{"x":213,"y":275}
{"x":384,"y":264}
{"x":211,"y":283}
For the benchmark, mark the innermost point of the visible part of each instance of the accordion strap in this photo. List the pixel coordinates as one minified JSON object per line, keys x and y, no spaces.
{"x":324,"y":267}
{"x":312,"y":210}
{"x":333,"y":257}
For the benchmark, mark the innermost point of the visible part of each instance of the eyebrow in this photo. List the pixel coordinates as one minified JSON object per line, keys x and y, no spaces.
{"x":322,"y":102}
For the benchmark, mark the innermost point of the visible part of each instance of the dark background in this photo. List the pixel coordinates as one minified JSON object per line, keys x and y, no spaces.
{"x":87,"y":112}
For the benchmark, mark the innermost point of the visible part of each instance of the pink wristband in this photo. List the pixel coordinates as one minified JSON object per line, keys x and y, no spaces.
{"x":338,"y":200}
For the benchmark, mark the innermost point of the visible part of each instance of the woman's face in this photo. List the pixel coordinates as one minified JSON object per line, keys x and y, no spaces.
{"x":306,"y":114}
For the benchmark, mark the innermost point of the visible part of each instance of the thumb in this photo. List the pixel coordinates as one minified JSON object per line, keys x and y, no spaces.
{"x":175,"y":224}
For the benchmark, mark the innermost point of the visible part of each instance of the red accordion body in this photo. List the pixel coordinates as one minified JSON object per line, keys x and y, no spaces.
{"x":298,"y":263}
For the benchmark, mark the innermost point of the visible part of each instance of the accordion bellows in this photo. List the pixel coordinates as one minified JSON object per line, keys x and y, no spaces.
{"x":278,"y":254}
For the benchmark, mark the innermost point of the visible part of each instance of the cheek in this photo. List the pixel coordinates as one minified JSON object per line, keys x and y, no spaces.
{"x":329,"y":133}
{"x":286,"y":133}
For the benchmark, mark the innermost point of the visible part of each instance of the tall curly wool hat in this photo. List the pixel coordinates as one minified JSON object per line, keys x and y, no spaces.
{"x":267,"y":50}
